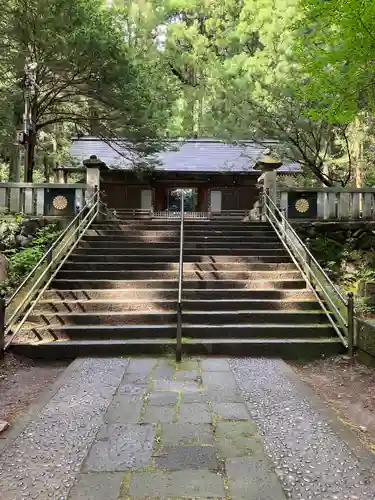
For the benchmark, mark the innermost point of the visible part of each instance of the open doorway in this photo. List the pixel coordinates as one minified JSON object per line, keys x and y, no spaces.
{"x":174,"y":196}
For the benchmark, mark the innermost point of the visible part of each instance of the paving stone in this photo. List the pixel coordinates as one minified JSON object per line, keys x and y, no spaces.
{"x":186,"y":457}
{"x":135,"y":379}
{"x":164,"y":370}
{"x":189,"y":484}
{"x":195,"y":413}
{"x":175,"y":385}
{"x":178,"y":434}
{"x":132,"y":389}
{"x":97,"y":486}
{"x":250,"y":478}
{"x":218,"y":380}
{"x":215,"y":365}
{"x":224,"y":395}
{"x":159,"y":414}
{"x":237,"y":439}
{"x":195,"y":397}
{"x":124,"y":409}
{"x":121,"y":447}
{"x":146,"y":485}
{"x":196,"y":484}
{"x":163,"y":398}
{"x":142,"y":366}
{"x":230,"y":411}
{"x":187,"y":375}
{"x":187,"y":364}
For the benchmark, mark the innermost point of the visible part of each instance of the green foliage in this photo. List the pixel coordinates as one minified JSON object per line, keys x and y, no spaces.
{"x":240,"y":79}
{"x":22,"y":261}
{"x":337,"y":52}
{"x":89,"y":78}
{"x":9,"y":228}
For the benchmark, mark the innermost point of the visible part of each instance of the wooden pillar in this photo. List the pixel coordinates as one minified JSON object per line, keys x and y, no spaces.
{"x":159,"y":198}
{"x":202,"y":199}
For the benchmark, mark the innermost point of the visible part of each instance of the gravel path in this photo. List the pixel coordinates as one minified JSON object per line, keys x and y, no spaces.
{"x":311,"y":457}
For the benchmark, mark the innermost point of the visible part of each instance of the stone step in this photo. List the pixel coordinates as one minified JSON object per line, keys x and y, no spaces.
{"x":163,"y":238}
{"x":173,"y":266}
{"x":290,"y":348}
{"x":162,"y":305}
{"x":188,"y":225}
{"x":284,"y":347}
{"x":188,"y":233}
{"x":71,"y":284}
{"x":152,"y":259}
{"x":170,"y":293}
{"x":137,"y":331}
{"x":148,"y":249}
{"x":102,"y":242}
{"x":235,"y":318}
{"x":147,"y":274}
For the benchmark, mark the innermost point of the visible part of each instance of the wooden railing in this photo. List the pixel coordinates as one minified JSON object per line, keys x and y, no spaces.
{"x":29,"y":198}
{"x":333,"y":203}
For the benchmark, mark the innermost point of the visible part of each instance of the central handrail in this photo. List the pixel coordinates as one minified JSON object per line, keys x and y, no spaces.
{"x":180,"y":281}
{"x":313,"y":273}
{"x":76,"y":228}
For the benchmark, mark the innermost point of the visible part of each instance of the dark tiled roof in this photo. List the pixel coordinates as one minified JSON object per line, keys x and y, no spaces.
{"x":191,"y":155}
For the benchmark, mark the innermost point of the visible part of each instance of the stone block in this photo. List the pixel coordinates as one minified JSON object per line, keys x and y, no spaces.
{"x":163,"y":398}
{"x":159,"y":414}
{"x":124,"y":409}
{"x":230,"y":411}
{"x":215,"y":365}
{"x":218,"y":380}
{"x":97,"y":486}
{"x":237,"y":439}
{"x":180,"y":434}
{"x":249,"y":478}
{"x":186,"y":457}
{"x":142,"y":366}
{"x":195,"y":413}
{"x":187,"y":484}
{"x":121,"y":448}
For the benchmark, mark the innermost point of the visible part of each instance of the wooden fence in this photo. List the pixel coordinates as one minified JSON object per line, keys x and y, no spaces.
{"x":29,"y":198}
{"x":331,"y":203}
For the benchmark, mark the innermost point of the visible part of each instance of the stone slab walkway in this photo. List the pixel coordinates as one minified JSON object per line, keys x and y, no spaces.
{"x":210,"y":428}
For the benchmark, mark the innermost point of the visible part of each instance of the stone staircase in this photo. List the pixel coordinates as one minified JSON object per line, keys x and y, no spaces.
{"x":117,"y":293}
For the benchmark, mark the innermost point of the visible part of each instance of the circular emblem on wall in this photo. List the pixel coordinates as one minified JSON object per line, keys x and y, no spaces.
{"x":302,"y":205}
{"x":60,"y":202}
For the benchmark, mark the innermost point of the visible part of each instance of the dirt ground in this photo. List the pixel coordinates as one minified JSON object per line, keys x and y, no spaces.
{"x":22,"y":381}
{"x":348,"y":388}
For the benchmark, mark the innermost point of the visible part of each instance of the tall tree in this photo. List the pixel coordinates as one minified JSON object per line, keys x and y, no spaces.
{"x":83,"y":71}
{"x":336,"y":49}
{"x":235,"y":59}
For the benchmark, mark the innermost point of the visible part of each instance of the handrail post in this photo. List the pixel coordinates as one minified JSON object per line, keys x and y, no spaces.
{"x":49,"y":261}
{"x":350,"y":324}
{"x":180,"y":278}
{"x":2,"y":326}
{"x":283,"y":222}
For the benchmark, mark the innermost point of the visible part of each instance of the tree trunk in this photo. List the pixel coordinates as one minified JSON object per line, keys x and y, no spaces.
{"x":15,"y":162}
{"x":30,"y":157}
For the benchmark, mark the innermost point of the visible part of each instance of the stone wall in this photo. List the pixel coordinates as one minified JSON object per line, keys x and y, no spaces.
{"x":366,"y":340}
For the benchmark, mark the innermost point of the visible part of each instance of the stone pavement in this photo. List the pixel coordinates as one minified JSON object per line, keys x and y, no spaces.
{"x":210,"y":428}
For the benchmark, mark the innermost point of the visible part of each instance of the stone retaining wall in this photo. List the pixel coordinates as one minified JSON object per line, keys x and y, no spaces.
{"x":366,"y":340}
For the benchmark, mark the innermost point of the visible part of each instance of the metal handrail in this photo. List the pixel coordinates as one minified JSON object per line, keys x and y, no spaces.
{"x":45,"y":256}
{"x":180,"y":281}
{"x":284,"y":230}
{"x":51,"y":262}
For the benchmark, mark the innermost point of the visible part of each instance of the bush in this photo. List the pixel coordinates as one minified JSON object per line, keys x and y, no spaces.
{"x":22,"y":261}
